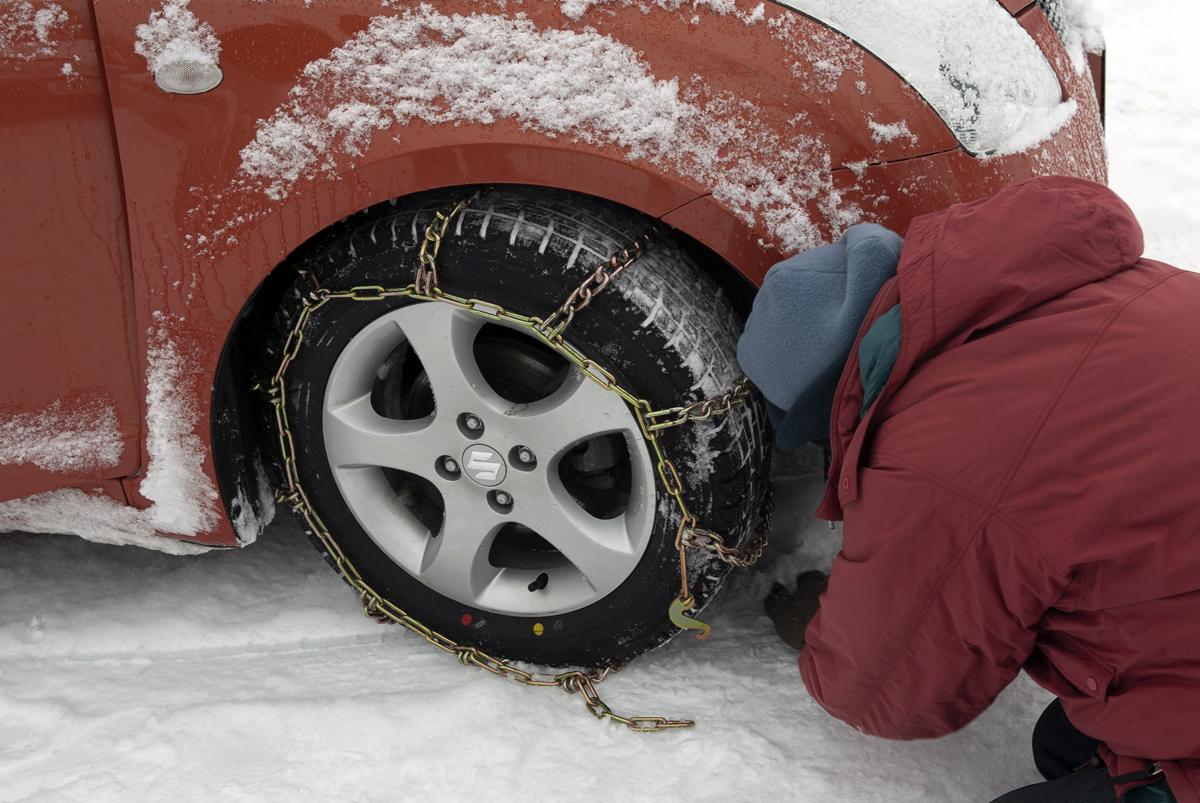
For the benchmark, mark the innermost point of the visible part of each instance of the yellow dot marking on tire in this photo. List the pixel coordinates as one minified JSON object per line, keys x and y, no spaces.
{"x":538,"y":629}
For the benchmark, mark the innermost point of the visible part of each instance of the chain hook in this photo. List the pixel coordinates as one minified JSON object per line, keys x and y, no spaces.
{"x":679,"y":618}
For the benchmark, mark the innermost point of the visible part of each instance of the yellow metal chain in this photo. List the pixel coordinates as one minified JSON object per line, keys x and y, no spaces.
{"x":556,"y":322}
{"x":427,"y":278}
{"x":549,"y":331}
{"x":701,"y":410}
{"x":745,"y":557}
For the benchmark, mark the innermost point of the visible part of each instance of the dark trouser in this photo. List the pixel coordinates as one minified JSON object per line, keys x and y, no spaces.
{"x":1058,"y":747}
{"x":1067,"y":760}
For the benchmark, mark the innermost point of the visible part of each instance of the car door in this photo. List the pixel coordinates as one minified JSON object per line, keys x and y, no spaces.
{"x":69,"y":411}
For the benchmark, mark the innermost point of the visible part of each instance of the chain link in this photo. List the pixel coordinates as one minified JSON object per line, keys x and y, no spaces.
{"x":427,"y":278}
{"x":745,"y":557}
{"x":556,"y":323}
{"x":701,"y":410}
{"x":550,"y":331}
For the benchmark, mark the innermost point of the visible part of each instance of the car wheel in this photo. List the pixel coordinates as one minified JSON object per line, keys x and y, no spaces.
{"x":476,"y":478}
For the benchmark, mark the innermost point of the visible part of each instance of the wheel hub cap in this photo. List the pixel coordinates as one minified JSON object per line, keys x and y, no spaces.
{"x":542,"y":535}
{"x":484,"y":465}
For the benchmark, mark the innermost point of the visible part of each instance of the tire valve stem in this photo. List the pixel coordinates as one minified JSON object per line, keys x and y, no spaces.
{"x":541,"y":582}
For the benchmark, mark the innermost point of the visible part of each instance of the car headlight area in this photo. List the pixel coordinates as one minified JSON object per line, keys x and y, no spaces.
{"x":970,"y":59}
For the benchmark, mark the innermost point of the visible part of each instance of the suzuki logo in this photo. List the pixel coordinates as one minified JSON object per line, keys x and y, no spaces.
{"x":484,"y":465}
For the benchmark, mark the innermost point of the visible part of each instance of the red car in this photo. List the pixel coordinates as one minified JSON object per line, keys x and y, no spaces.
{"x":312,"y":247}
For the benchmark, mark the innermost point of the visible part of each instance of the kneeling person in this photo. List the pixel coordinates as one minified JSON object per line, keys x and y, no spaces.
{"x":1014,"y":429}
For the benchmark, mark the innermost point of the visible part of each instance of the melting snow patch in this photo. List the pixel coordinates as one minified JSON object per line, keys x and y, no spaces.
{"x":451,"y":70}
{"x":890,"y":132}
{"x":1029,"y":138}
{"x":859,"y":169}
{"x":183,"y":498}
{"x":173,"y":34}
{"x":820,"y":57}
{"x":93,"y":517}
{"x":75,"y":439}
{"x":1081,"y":26}
{"x":575,"y":9}
{"x":28,"y":30}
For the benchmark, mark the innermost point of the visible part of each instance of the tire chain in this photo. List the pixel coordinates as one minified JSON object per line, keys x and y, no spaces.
{"x":550,"y":331}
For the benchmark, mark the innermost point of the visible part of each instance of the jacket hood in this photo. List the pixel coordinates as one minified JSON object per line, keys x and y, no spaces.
{"x":976,"y":265}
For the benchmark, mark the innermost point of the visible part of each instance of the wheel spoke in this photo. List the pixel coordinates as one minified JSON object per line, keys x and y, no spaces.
{"x":444,"y":338}
{"x":579,"y":410}
{"x":456,"y":562}
{"x":388,"y":520}
{"x":356,"y":435}
{"x":358,"y":365}
{"x":599,"y":548}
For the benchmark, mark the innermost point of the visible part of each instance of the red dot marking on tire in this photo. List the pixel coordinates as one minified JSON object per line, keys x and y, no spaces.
{"x":466,"y":620}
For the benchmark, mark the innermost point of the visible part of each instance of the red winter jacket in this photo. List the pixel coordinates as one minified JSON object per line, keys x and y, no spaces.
{"x":1025,"y":493}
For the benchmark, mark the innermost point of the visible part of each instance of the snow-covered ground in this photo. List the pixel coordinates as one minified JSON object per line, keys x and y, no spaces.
{"x":1154,"y":121}
{"x":252,"y":675}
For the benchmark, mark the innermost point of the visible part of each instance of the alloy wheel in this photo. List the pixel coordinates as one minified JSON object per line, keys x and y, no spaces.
{"x":485,"y":465}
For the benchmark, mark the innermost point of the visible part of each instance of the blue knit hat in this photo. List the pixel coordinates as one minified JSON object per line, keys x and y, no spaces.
{"x":804,"y":323}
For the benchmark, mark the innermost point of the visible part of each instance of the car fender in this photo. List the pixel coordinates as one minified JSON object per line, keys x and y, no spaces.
{"x":205,"y":231}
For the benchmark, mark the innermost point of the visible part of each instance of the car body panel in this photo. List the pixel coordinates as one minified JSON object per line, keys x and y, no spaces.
{"x":1015,"y":6}
{"x":203,"y":234}
{"x":64,"y":284}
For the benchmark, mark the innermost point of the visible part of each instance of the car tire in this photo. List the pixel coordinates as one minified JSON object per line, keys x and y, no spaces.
{"x":664,"y":329}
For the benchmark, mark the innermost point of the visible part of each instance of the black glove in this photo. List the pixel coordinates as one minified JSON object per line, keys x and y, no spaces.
{"x":792,"y":611}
